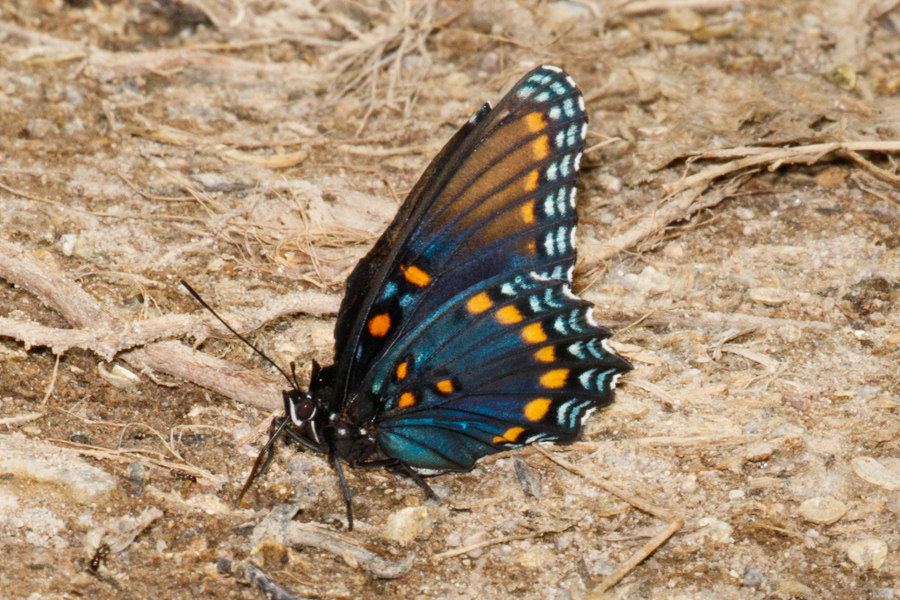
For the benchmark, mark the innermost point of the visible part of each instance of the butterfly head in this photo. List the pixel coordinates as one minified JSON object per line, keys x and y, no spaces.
{"x":305,"y":413}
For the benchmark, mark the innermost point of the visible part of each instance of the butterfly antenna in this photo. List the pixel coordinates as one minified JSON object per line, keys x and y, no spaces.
{"x":197,"y":297}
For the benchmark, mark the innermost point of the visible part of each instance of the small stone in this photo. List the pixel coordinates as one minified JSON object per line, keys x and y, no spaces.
{"x":535,"y":557}
{"x":40,"y":128}
{"x":759,"y":451}
{"x":528,"y":478}
{"x":893,"y":339}
{"x":673,"y":250}
{"x":735,"y":494}
{"x":769,"y":296}
{"x":744,"y":214}
{"x":752,"y":576}
{"x":823,"y":510}
{"x":609,"y":183}
{"x":715,"y":531}
{"x":474,"y":539}
{"x":874,"y":472}
{"x":868,"y":554}
{"x":843,"y":76}
{"x":489,"y":63}
{"x":136,"y":474}
{"x":67,"y":243}
{"x":275,"y":553}
{"x":404,"y":525}
{"x":119,"y":377}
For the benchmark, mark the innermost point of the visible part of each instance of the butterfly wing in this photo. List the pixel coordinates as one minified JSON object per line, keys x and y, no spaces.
{"x":471,"y":216}
{"x":459,"y":333}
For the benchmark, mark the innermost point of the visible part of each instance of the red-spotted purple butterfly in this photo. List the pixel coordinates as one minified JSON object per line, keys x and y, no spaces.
{"x":459,"y":335}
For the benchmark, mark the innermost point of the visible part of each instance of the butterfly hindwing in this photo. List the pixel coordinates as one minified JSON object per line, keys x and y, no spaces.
{"x":529,"y":366}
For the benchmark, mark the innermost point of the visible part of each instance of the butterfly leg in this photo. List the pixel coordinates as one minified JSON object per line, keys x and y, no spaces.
{"x":388,"y":463}
{"x":336,"y":462}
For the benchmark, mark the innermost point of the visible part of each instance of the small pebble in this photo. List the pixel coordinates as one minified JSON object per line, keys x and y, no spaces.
{"x":404,"y":525}
{"x":528,"y":478}
{"x":136,"y":474}
{"x":752,"y":576}
{"x":609,"y":183}
{"x":759,"y":451}
{"x":40,"y":128}
{"x":535,"y":557}
{"x":743,"y":213}
{"x":674,"y":250}
{"x":489,"y":63}
{"x":67,"y":243}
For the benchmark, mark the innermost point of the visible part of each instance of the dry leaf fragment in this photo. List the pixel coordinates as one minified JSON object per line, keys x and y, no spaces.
{"x":276,"y":161}
{"x":875,"y":473}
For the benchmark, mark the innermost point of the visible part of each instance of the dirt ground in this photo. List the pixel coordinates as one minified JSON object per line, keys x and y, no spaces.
{"x":740,"y":232}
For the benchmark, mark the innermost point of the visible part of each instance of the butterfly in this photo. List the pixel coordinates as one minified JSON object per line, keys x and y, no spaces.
{"x":459,"y":335}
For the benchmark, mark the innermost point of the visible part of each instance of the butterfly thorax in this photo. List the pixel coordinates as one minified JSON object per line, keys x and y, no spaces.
{"x":352,"y":443}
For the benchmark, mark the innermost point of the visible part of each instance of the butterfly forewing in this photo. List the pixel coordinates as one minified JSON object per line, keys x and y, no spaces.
{"x":502,"y":200}
{"x":459,"y":336}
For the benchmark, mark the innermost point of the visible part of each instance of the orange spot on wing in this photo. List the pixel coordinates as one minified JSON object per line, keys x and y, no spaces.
{"x":401,"y":370}
{"x":535,"y":121}
{"x":479,"y":304}
{"x":510,"y":435}
{"x":407,"y":399}
{"x":541,"y":147}
{"x":531,"y":181}
{"x":532,"y":247}
{"x":536,"y":409}
{"x":416,"y":276}
{"x":445,"y":386}
{"x":508,"y":315}
{"x":545,"y":354}
{"x":554,"y":379}
{"x":379,"y":325}
{"x":534,"y":334}
{"x":528,"y":212}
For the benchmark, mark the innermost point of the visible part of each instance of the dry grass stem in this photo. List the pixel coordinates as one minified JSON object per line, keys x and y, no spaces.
{"x":649,"y":548}
{"x":498,"y":540}
{"x":631,"y":499}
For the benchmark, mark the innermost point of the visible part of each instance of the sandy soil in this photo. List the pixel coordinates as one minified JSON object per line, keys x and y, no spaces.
{"x":741,"y":233}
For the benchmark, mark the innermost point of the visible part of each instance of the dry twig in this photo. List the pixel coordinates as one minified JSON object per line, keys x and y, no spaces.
{"x":631,"y":499}
{"x":499,"y":540}
{"x":108,"y":334}
{"x":639,"y":557}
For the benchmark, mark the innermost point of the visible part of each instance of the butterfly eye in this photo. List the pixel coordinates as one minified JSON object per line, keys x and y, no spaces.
{"x":303,"y":409}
